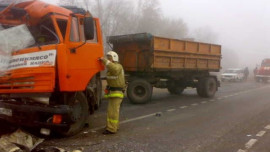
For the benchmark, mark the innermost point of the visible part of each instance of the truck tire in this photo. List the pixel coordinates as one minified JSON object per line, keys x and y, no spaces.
{"x":79,"y":115}
{"x":139,"y":91}
{"x":173,"y":88}
{"x":199,"y":88}
{"x":207,"y":87}
{"x":176,"y":90}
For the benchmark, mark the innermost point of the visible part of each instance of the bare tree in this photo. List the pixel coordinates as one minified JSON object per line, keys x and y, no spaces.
{"x":125,"y":17}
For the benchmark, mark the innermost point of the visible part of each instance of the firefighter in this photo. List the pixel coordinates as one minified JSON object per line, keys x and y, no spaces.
{"x":114,"y":90}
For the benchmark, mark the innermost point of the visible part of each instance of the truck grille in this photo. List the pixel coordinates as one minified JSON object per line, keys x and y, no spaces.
{"x":20,"y":83}
{"x":28,"y":81}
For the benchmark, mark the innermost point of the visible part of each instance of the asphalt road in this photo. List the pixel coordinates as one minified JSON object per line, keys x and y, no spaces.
{"x":235,"y":120}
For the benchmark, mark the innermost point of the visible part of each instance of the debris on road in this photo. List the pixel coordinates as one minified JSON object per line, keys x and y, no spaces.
{"x":19,"y":141}
{"x":158,"y":114}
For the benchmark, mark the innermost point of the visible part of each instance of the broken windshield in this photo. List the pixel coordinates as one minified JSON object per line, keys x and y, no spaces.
{"x":14,"y":38}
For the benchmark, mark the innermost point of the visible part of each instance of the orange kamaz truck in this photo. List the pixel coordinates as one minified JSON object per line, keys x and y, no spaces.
{"x":49,"y":68}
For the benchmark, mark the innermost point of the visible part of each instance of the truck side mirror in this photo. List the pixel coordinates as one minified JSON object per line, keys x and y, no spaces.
{"x":89,"y":28}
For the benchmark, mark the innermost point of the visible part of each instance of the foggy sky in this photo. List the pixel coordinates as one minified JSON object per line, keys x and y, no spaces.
{"x":240,"y":25}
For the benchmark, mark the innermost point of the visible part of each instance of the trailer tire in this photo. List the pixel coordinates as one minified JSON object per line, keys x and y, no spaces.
{"x":207,"y":87}
{"x":79,"y":115}
{"x":199,"y":91}
{"x":139,"y":91}
{"x":199,"y":88}
{"x":177,"y":90}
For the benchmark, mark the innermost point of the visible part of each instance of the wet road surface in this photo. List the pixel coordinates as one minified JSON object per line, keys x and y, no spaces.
{"x":235,"y":120}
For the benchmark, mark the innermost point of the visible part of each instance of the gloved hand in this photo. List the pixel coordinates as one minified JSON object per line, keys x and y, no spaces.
{"x":101,"y":58}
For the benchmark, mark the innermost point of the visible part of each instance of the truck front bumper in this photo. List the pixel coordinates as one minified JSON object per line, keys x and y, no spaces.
{"x":33,"y":115}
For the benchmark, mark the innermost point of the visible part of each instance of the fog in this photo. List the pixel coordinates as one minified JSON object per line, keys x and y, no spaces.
{"x":240,"y":26}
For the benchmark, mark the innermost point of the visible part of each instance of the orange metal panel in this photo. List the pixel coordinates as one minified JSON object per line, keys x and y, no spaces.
{"x":168,"y":54}
{"x":28,"y":80}
{"x":178,"y":45}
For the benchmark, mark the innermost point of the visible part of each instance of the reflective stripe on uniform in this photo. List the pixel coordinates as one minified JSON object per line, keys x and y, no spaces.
{"x":112,"y":120}
{"x":112,"y":77}
{"x":114,"y":95}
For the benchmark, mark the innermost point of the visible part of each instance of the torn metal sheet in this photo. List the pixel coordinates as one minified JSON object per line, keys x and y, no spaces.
{"x":15,"y":38}
{"x":19,"y":140}
{"x":4,"y":61}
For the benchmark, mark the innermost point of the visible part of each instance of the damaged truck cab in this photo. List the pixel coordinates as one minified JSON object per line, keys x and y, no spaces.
{"x":49,"y":66}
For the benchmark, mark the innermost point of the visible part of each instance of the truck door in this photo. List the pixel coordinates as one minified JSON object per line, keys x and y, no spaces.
{"x":82,"y":54}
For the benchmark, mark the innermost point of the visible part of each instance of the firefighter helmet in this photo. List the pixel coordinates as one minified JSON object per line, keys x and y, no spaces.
{"x":114,"y":56}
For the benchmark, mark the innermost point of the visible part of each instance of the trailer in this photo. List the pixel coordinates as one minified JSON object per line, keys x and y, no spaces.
{"x":151,"y":61}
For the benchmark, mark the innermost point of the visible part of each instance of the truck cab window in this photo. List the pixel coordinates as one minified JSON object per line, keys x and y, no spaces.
{"x":62,"y":24}
{"x":74,"y":31}
{"x":45,"y":33}
{"x":94,"y":40}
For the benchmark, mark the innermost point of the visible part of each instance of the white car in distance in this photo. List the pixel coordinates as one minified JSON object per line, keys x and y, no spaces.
{"x":233,"y":75}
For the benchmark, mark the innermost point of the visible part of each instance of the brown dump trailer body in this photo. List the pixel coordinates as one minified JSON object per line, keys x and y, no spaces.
{"x":166,"y":63}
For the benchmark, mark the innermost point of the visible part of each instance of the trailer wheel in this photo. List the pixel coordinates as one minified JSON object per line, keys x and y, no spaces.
{"x":139,"y":91}
{"x":79,"y":115}
{"x":199,"y":89}
{"x":207,"y":87}
{"x":173,"y":89}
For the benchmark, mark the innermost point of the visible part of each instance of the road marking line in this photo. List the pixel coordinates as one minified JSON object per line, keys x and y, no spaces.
{"x":128,"y":120}
{"x":240,"y":150}
{"x":170,"y":110}
{"x":183,"y":107}
{"x":195,"y":104}
{"x":219,"y":98}
{"x":138,"y":118}
{"x":212,"y":100}
{"x":267,"y":127}
{"x":236,"y":94}
{"x":203,"y":102}
{"x":250,"y":143}
{"x":261,"y":133}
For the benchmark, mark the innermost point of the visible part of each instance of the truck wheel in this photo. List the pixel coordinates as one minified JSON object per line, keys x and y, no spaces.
{"x":173,"y":89}
{"x":139,"y":91}
{"x":199,"y":88}
{"x":79,"y":115}
{"x":207,"y":87}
